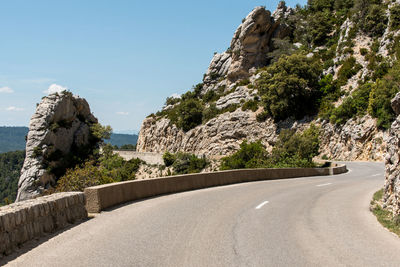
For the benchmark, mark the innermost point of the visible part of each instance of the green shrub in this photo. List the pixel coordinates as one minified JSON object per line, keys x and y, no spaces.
{"x":37,"y":152}
{"x":250,"y":155}
{"x":168,"y":159}
{"x":250,"y":105}
{"x":363,"y":51}
{"x":395,"y":18}
{"x":210,"y":112}
{"x":210,"y":96}
{"x":243,"y":82}
{"x":188,"y":114}
{"x":172,"y":101}
{"x":79,"y":178}
{"x":289,"y":87}
{"x":188,"y":163}
{"x":381,"y":94}
{"x":349,"y":69}
{"x":108,"y":168}
{"x":262,"y":116}
{"x":291,"y":150}
{"x":354,"y":105}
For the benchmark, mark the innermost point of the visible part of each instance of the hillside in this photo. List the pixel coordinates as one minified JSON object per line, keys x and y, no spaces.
{"x":10,"y":168}
{"x":330,"y":63}
{"x":13,"y":138}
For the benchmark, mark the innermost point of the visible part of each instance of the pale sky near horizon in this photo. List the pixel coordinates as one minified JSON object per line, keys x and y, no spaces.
{"x":125,"y":57}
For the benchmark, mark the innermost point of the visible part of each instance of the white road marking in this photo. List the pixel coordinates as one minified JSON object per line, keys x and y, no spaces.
{"x":262,"y":204}
{"x":376,"y":174}
{"x":324,"y":184}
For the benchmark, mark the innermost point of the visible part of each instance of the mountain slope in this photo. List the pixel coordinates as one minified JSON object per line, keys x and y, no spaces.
{"x":331,"y":63}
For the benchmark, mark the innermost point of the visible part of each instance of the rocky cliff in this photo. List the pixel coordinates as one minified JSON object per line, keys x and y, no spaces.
{"x":392,"y":160}
{"x":352,"y":57}
{"x":58,"y":131}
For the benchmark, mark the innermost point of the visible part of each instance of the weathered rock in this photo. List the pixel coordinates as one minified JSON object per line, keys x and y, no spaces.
{"x":241,"y":94}
{"x":61,"y":122}
{"x":219,"y":136}
{"x":357,"y":139}
{"x":249,"y":46}
{"x":392,"y":170}
{"x":251,"y":43}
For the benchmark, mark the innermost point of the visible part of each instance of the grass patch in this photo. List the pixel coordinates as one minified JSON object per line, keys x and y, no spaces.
{"x":384,"y":216}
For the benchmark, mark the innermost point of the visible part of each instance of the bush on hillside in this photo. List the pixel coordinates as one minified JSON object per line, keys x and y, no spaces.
{"x":291,"y":150}
{"x":184,"y":163}
{"x":108,"y":168}
{"x":352,"y":106}
{"x":289,"y":87}
{"x":168,"y":159}
{"x":395,"y":18}
{"x":381,"y":94}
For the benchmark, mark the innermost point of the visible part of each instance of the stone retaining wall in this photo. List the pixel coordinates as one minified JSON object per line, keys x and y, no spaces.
{"x":30,"y":219}
{"x":108,"y":195}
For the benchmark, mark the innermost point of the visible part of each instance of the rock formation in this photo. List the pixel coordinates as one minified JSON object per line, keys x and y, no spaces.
{"x":357,"y":139}
{"x":60,"y":126}
{"x":392,"y":161}
{"x":219,"y":136}
{"x":249,"y":46}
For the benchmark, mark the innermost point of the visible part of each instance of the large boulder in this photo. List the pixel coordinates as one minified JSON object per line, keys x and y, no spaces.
{"x":59,"y":128}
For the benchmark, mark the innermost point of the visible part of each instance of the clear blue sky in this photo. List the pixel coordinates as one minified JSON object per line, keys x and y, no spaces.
{"x":124,"y":57}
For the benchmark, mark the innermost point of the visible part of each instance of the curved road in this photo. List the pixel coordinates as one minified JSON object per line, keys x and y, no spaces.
{"x":315,"y":221}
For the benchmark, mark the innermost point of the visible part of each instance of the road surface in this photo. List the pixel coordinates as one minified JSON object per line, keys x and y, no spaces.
{"x":314,"y":221}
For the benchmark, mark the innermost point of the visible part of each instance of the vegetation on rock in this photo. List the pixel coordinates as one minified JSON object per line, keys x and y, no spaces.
{"x":184,"y":163}
{"x":291,"y":150}
{"x":97,"y":170}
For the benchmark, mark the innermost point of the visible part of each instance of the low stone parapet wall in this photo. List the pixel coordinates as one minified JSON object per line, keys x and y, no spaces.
{"x":105,"y":196}
{"x":30,"y":219}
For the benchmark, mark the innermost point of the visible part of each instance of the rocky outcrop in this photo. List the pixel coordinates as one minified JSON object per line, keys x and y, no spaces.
{"x":219,"y":136}
{"x":60,"y":126}
{"x":392,"y":161}
{"x":249,"y":46}
{"x":357,"y":139}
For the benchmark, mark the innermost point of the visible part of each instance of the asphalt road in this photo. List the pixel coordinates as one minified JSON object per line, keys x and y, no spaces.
{"x":315,"y":221}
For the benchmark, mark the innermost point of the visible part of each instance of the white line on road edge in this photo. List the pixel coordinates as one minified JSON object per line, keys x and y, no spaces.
{"x":376,"y":174}
{"x":324,"y":184}
{"x":262,"y":204}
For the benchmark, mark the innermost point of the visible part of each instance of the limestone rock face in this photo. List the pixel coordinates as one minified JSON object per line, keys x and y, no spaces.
{"x":61,"y":122}
{"x":392,"y":170}
{"x":219,"y":136}
{"x":357,"y":139}
{"x":249,"y":46}
{"x":251,"y":43}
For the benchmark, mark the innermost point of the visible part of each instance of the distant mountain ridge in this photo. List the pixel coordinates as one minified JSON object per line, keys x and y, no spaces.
{"x":13,"y":138}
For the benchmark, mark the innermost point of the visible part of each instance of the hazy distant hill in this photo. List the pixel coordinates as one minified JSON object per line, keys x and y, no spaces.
{"x":13,"y":138}
{"x":122,"y":139}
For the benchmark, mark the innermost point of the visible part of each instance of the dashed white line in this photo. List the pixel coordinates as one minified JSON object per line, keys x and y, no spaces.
{"x":324,"y":184}
{"x":261,"y":205}
{"x":376,"y":174}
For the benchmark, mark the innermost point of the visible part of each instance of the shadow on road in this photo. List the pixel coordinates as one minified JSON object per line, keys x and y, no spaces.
{"x":31,"y":244}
